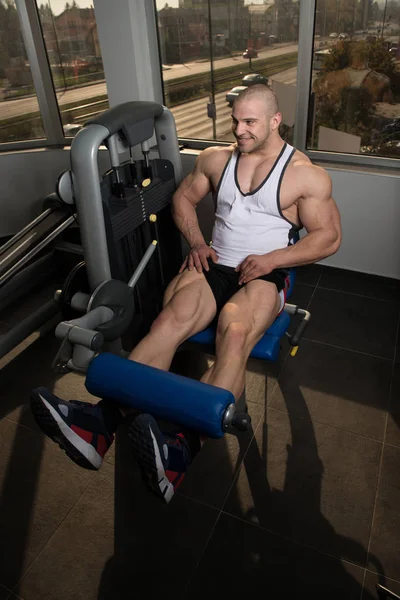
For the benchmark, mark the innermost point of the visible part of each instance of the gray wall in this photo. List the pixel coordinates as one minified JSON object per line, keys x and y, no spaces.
{"x":27,"y":178}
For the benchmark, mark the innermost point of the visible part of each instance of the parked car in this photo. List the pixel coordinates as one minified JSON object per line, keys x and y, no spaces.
{"x":250,"y":53}
{"x":392,"y":128}
{"x":235,"y":91}
{"x":70,"y":129}
{"x":343,"y":36}
{"x":333,"y":35}
{"x":253,"y":78}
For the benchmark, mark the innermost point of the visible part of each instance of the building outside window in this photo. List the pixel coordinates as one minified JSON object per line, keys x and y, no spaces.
{"x":356,"y":78}
{"x":19,"y":110}
{"x":69,"y":33}
{"x":210,"y":50}
{"x":73,"y":48}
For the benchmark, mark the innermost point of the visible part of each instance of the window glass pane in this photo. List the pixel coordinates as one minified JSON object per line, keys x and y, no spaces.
{"x":72,"y":44}
{"x":356,"y":78}
{"x":19,"y":112}
{"x":258,"y":40}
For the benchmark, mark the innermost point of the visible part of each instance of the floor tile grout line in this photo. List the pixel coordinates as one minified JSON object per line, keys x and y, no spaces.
{"x":315,"y":289}
{"x":364,"y":437}
{"x":389,"y":578}
{"x":292,"y":541}
{"x":389,"y":445}
{"x":358,"y":295}
{"x":324,"y":267}
{"x":240,"y":466}
{"x":374,"y":506}
{"x":363,"y":581}
{"x":383,"y":448}
{"x":10,"y":592}
{"x":254,"y":432}
{"x":347,"y":349}
{"x":53,"y":534}
{"x":190,"y":579}
{"x":320,"y":276}
{"x":397,"y":337}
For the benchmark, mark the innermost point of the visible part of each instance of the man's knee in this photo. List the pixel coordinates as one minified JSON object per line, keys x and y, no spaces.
{"x":233,"y":335}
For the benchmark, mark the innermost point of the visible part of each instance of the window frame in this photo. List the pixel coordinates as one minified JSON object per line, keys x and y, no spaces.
{"x":31,"y":30}
{"x":303,"y":92}
{"x":47,"y":99}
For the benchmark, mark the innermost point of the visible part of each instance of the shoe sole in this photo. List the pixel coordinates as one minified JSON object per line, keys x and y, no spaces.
{"x":147,"y":454}
{"x":50,"y":422}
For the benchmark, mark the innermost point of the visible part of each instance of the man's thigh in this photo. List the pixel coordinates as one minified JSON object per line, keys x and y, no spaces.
{"x":192,"y":279}
{"x":189,"y":302}
{"x":256,"y":305}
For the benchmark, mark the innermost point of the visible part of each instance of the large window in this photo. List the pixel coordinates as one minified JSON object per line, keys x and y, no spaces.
{"x":211,"y":49}
{"x":73,"y":49}
{"x":356,"y":78}
{"x":62,"y":37}
{"x":19,"y":111}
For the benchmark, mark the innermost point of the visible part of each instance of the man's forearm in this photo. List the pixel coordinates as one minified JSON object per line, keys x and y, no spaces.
{"x":185,"y":218}
{"x":310,"y":249}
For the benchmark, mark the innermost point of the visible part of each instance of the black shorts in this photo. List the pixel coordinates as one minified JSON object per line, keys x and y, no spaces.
{"x":224,"y":281}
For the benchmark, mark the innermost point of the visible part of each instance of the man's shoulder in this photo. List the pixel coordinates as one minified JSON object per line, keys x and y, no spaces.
{"x":217,"y":152}
{"x":214,"y":158}
{"x":299,"y":158}
{"x":302,"y":166}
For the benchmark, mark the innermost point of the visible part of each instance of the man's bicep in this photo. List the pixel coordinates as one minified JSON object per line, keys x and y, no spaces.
{"x":317,"y":208}
{"x":196,"y":185}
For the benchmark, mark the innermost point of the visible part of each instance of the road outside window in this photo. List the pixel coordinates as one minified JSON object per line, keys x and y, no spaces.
{"x":19,"y":111}
{"x":210,"y":50}
{"x":73,"y":49}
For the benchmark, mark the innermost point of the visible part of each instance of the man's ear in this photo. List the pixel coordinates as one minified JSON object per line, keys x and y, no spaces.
{"x":276,"y":120}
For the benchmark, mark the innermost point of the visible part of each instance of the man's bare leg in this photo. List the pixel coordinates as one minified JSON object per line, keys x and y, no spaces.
{"x":242,"y":323}
{"x":189,"y":306}
{"x":164,"y":460}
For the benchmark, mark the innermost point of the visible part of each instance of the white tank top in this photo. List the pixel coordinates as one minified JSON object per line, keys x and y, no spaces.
{"x":250,"y":223}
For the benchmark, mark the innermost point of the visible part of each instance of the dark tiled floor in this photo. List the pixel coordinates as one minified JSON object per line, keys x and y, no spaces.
{"x":304,"y":503}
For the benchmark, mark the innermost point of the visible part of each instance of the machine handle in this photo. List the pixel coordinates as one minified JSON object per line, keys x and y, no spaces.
{"x":295,"y":338}
{"x":135,"y":119}
{"x":241,"y":421}
{"x":141,"y":266}
{"x":85,"y":337}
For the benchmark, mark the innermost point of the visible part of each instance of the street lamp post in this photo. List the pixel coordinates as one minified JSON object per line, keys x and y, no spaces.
{"x":57,"y":45}
{"x":249,"y":48}
{"x":384,"y":17}
{"x":211,"y":108}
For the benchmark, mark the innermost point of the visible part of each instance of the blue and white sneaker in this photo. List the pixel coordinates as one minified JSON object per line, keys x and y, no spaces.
{"x":77,"y":427}
{"x":163,"y":459}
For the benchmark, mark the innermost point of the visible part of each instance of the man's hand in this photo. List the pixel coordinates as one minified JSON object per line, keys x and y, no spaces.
{"x":254,"y":266}
{"x":197,"y":258}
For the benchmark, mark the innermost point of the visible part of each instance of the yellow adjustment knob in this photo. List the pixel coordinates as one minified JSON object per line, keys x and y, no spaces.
{"x":146,"y":182}
{"x":153,"y":218}
{"x":293,"y":351}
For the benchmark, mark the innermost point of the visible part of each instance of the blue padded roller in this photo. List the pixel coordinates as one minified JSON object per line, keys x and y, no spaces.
{"x":170,"y":397}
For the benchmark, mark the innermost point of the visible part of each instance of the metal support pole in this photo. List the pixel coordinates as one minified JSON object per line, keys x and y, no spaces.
{"x":212,"y":69}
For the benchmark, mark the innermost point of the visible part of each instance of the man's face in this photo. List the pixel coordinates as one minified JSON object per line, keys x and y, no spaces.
{"x":251,"y":124}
